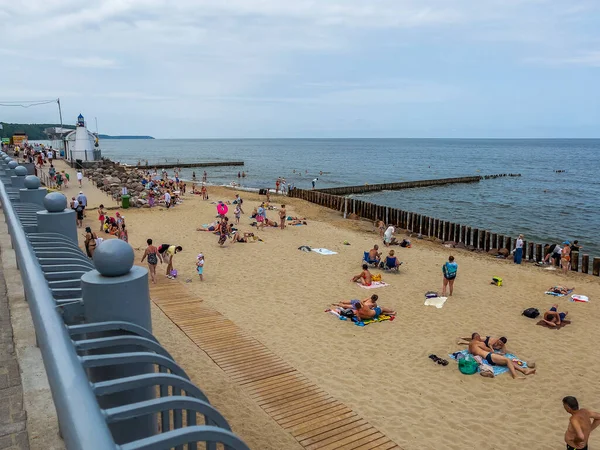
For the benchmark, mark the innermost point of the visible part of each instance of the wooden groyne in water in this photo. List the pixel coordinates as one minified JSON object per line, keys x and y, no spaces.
{"x":182,"y":165}
{"x":347,"y":190}
{"x":444,"y":230}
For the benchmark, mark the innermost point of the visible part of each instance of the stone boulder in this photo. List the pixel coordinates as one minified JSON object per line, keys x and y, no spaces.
{"x":504,"y":252}
{"x":493,"y":251}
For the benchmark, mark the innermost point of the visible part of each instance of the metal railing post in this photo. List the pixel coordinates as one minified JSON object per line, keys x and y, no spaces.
{"x":118,"y":291}
{"x":57,"y":218}
{"x":32,"y":192}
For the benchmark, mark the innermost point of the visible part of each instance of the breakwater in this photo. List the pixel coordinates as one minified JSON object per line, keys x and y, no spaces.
{"x":347,"y":190}
{"x":462,"y":235}
{"x":188,"y":165}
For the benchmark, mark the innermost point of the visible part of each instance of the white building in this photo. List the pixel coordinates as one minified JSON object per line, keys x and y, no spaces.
{"x":82,"y":144}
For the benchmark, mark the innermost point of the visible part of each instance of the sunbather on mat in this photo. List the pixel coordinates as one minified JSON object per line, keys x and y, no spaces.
{"x":562,"y":290}
{"x":478,"y":348}
{"x":497,"y":345}
{"x":370,"y":310}
{"x":553,"y":318}
{"x":354,"y":304}
{"x":365,"y":277}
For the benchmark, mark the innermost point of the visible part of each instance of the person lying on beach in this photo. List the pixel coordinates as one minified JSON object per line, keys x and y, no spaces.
{"x":375,"y":254}
{"x":352,"y":304}
{"x":298,"y":222}
{"x":478,"y":348}
{"x":296,"y":218}
{"x":493,"y":344}
{"x":239,"y":236}
{"x":209,"y":227}
{"x":370,"y":310}
{"x":270,"y":223}
{"x":561,"y":290}
{"x":553,"y":318}
{"x":365,"y":277}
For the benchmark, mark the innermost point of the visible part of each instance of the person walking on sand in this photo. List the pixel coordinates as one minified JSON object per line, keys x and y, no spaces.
{"x":79,"y":177}
{"x":581,"y":424}
{"x":518,"y":257}
{"x":90,"y":242}
{"x":152,"y":255}
{"x":282,"y":216}
{"x":449,"y":270}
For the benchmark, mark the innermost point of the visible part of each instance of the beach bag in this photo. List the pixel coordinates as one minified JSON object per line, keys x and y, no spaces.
{"x":467,"y":366}
{"x":431,"y":294}
{"x":99,"y":241}
{"x":496,"y":281}
{"x":173,"y":273}
{"x":532,"y":313}
{"x":376,"y":277}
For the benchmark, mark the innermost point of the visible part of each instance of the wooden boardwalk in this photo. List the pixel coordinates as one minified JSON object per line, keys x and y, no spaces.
{"x":313,"y":417}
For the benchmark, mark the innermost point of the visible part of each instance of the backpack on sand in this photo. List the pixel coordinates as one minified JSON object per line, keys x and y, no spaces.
{"x":532,"y":313}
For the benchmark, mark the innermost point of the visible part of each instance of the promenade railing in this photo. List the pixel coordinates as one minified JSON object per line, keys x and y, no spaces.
{"x":113,"y":385}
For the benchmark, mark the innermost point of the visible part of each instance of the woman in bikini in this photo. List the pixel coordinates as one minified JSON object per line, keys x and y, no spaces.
{"x":90,"y":242}
{"x":565,"y":257}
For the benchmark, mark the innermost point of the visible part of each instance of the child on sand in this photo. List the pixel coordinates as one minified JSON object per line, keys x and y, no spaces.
{"x":200,"y":265}
{"x":365,"y":277}
{"x":449,"y":270}
{"x":237,"y":213}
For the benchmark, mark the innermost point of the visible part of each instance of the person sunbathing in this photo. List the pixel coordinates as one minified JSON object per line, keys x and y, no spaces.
{"x":492,"y":344}
{"x":298,"y":222}
{"x":374,"y":255}
{"x":391,"y":261}
{"x":208,"y":227}
{"x":370,"y":310}
{"x":478,"y":348}
{"x":562,"y":290}
{"x":553,"y":318}
{"x":238,"y":236}
{"x":365,"y":277}
{"x":352,"y":304}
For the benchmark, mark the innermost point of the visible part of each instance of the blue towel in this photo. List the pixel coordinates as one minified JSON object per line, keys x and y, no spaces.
{"x":498,"y":370}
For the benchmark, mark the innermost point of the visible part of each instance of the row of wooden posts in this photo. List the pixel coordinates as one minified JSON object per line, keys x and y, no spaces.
{"x":444,"y":230}
{"x":347,"y":190}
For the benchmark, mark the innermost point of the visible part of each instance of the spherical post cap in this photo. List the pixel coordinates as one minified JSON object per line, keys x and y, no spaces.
{"x":21,"y":171}
{"x":113,"y":258}
{"x":32,"y":182}
{"x":12,"y":164}
{"x":55,"y":202}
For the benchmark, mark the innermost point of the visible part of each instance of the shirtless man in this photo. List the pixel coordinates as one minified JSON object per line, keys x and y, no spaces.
{"x":565,"y":257}
{"x":375,"y":254}
{"x":581,"y":424}
{"x":478,"y":348}
{"x":553,"y":318}
{"x":370,"y":310}
{"x":282,"y":215}
{"x":493,"y":344}
{"x":352,"y":304}
{"x":365,"y":277}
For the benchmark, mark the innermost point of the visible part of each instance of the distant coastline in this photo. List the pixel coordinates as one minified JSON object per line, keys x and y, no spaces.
{"x":106,"y":136}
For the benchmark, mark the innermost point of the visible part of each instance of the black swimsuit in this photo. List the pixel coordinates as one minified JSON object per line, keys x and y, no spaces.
{"x":487,"y":341}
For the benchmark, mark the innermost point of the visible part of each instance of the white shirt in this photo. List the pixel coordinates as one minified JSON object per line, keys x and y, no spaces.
{"x":167,"y":197}
{"x":388,"y":233}
{"x":519,"y":243}
{"x":79,"y":176}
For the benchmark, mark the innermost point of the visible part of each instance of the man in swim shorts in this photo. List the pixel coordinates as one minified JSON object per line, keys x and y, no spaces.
{"x":553,"y":318}
{"x":478,"y":348}
{"x":368,"y":309}
{"x":581,"y":424}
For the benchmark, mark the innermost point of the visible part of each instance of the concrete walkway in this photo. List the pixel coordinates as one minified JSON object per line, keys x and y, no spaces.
{"x":13,"y":418}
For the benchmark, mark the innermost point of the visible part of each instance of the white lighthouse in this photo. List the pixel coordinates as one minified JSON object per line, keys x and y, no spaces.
{"x":81,"y":143}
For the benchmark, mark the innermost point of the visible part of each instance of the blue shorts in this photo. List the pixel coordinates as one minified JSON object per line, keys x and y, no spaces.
{"x":200,"y":269}
{"x":377,"y":310}
{"x":561,"y":315}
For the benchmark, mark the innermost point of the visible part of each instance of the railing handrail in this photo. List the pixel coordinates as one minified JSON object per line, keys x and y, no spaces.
{"x":85,"y":426}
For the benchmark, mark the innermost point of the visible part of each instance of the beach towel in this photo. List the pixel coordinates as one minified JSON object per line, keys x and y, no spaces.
{"x":498,"y":370}
{"x":381,"y":318}
{"x":579,"y":298}
{"x":556,"y":294}
{"x":558,"y":327}
{"x":374,"y":285}
{"x":438,"y":302}
{"x":323,"y":251}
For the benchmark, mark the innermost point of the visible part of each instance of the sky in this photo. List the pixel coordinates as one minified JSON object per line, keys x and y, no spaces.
{"x":306,"y":68}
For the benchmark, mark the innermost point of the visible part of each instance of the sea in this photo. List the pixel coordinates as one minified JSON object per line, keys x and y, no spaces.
{"x":544,"y":205}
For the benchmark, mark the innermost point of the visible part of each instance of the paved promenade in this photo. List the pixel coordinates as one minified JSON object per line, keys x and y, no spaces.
{"x":13,"y":418}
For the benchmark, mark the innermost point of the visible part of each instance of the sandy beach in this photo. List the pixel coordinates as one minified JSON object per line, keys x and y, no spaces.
{"x":278,"y":295}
